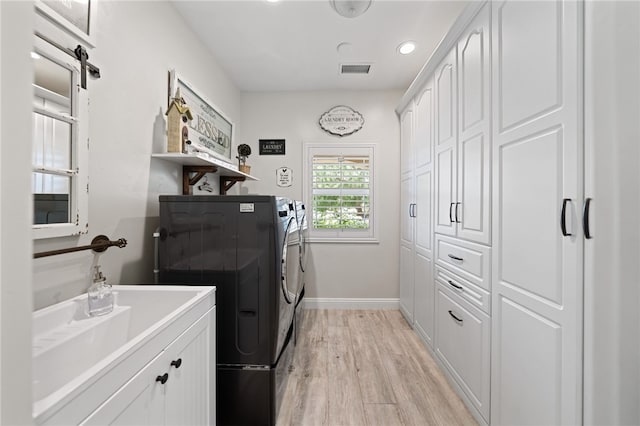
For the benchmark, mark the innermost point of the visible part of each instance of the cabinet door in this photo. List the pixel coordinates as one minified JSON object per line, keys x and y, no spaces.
{"x":463,"y":344}
{"x":406,"y":142}
{"x":406,"y":283}
{"x":190,"y":371}
{"x":445,"y":144}
{"x":537,"y":271}
{"x":474,"y":147}
{"x":139,"y":402}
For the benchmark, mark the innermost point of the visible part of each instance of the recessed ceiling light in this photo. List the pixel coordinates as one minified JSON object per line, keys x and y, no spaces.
{"x":273,"y":1}
{"x":407,"y":47}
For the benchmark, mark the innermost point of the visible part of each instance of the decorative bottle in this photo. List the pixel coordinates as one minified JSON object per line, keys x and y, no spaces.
{"x":100,"y":295}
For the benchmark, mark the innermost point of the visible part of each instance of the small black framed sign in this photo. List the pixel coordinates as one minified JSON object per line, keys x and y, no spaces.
{"x":272,"y":146}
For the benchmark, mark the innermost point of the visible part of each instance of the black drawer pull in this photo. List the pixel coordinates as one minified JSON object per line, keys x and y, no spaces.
{"x":455,"y":317}
{"x":163,"y":379}
{"x":177,"y":363}
{"x":459,"y":259}
{"x":563,"y":217}
{"x":452,"y":284}
{"x":585,"y":219}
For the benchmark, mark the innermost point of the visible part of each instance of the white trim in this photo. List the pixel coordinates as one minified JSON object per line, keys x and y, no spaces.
{"x":350,"y":303}
{"x":440,"y":52}
{"x":343,"y":240}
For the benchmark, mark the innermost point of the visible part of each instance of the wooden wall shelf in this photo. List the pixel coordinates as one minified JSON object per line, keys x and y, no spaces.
{"x":201,"y":165}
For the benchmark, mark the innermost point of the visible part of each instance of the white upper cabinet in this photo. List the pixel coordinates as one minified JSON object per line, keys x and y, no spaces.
{"x":445,"y":81}
{"x":463,"y":134}
{"x":537,"y":269}
{"x":406,"y":142}
{"x":474,"y":131}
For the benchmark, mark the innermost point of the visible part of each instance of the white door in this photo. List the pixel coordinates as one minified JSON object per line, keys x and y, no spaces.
{"x":445,"y":82}
{"x":473,"y":204}
{"x":406,"y":247}
{"x":423,"y":260}
{"x":188,"y":365}
{"x":537,"y":271}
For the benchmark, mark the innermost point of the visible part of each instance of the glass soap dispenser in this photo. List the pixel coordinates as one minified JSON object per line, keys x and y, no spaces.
{"x":100,"y":295}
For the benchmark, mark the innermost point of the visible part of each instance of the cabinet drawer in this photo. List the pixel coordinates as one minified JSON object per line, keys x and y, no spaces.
{"x":463,"y":345}
{"x":476,"y":296}
{"x":469,"y":260}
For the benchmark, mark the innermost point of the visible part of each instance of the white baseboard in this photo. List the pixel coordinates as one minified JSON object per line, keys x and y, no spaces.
{"x":349,"y":303}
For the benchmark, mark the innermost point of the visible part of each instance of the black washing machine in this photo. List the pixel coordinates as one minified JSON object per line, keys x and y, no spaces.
{"x":240,"y":244}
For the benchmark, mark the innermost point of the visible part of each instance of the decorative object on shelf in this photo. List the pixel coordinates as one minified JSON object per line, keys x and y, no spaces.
{"x":178,"y":119}
{"x":284,"y":177}
{"x":341,"y":121}
{"x":271,"y":146}
{"x":205,"y":185}
{"x":244,"y":151}
{"x":211,"y":132}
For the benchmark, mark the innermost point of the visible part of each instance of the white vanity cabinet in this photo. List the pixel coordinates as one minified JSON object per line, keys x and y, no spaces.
{"x":177,"y":387}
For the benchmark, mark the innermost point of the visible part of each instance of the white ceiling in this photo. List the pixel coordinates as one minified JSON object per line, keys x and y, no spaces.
{"x":292,"y":44}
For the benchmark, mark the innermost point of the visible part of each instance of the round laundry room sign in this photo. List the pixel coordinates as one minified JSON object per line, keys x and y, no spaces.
{"x":341,"y":121}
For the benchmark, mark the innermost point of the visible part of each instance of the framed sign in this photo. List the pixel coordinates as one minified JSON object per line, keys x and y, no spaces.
{"x":211,"y":131}
{"x":341,"y":121}
{"x":284,"y":177}
{"x":272,"y":146}
{"x":77,"y":17}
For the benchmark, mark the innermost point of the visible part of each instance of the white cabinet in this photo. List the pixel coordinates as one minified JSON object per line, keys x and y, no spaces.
{"x":537,"y":262}
{"x":463,"y":149}
{"x":407,"y":224}
{"x":463,"y":345}
{"x":176,"y":388}
{"x":416,"y":260}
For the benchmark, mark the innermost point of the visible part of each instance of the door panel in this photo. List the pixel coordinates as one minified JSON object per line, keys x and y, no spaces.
{"x":423,"y":213}
{"x":424,"y":127}
{"x":406,"y":142}
{"x":537,"y":158}
{"x":406,"y":221}
{"x":424,"y":294}
{"x":445,"y":195}
{"x":474,"y":147}
{"x":406,"y":283}
{"x":528,"y":51}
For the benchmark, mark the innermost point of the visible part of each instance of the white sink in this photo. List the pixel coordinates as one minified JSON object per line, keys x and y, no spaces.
{"x":72,"y":350}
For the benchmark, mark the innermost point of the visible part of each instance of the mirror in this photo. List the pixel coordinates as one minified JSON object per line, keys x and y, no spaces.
{"x":52,"y":141}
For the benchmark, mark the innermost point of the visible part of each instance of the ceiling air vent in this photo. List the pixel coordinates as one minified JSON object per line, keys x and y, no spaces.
{"x":355,"y":69}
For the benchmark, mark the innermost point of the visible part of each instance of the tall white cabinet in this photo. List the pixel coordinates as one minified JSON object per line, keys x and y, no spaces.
{"x":507,"y":242}
{"x":416,"y":262}
{"x":537,"y":268}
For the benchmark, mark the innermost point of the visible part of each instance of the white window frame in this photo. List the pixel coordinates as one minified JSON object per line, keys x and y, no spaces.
{"x":79,"y":186}
{"x":340,"y":235}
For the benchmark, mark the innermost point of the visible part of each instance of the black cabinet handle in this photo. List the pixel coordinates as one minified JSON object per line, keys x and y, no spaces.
{"x":415,"y":210}
{"x":455,"y":317}
{"x":457,"y":204}
{"x":585,"y":219}
{"x":459,"y":259}
{"x":452,"y":284}
{"x":177,"y":363}
{"x":563,"y":217}
{"x":163,"y":379}
{"x":451,"y":212}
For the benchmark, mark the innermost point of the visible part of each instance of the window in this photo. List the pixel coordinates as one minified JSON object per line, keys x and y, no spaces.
{"x":60,"y":144}
{"x":339,"y":187}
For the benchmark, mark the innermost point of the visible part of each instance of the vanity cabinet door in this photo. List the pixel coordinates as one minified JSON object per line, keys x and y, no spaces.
{"x":139,"y":402}
{"x":191,"y":371}
{"x":167,"y":391}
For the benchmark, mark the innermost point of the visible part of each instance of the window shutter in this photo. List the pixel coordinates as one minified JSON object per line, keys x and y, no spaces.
{"x":341,"y":191}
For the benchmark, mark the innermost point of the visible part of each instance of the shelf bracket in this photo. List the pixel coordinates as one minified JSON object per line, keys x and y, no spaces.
{"x":188,"y":181}
{"x":226,"y":182}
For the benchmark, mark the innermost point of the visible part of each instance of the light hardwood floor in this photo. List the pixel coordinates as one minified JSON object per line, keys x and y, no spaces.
{"x":366,"y":368}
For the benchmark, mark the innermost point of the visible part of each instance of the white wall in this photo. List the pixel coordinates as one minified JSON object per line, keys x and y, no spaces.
{"x":137,"y":43}
{"x":337,"y":270}
{"x":15,"y":227}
